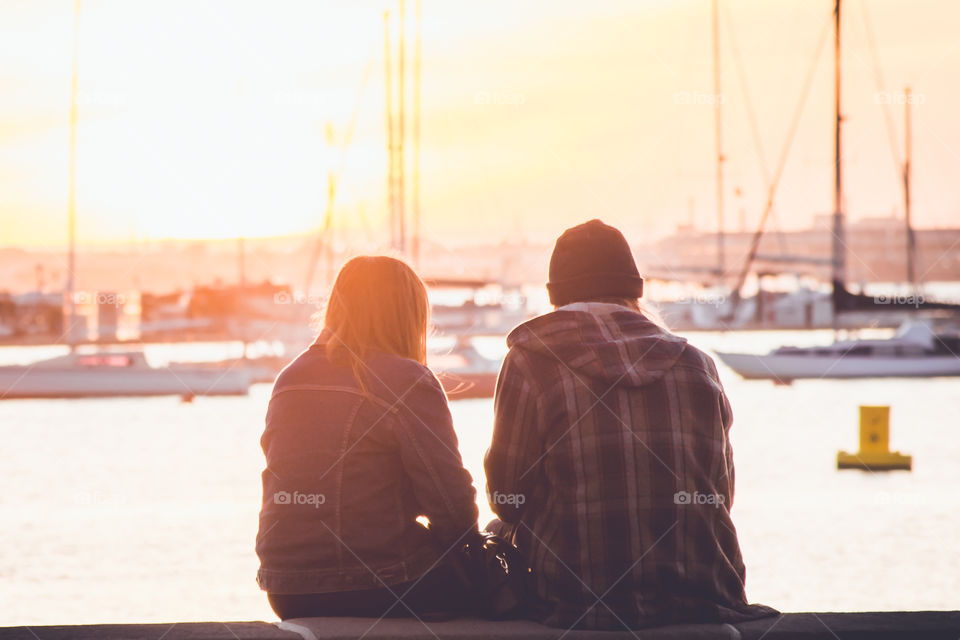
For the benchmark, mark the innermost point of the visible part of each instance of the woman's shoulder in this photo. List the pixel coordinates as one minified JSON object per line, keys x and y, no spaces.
{"x":379,"y":370}
{"x":310,"y":366}
{"x":395,"y":371}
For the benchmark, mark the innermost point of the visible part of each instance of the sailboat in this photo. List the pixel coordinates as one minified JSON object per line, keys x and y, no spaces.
{"x":462,"y":370}
{"x":112,"y":373}
{"x":916,"y":349}
{"x":115,"y":374}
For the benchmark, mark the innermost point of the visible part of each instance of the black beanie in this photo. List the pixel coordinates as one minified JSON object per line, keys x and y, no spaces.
{"x":592,"y":260}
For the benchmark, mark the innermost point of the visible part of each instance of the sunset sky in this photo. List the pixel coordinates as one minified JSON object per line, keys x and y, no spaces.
{"x":206,"y":118}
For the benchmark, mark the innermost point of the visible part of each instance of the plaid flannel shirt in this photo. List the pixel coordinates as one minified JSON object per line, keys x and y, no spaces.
{"x":611,"y":457}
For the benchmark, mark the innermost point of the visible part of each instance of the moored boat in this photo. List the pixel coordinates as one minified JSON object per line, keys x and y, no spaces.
{"x":110,"y":374}
{"x":914,"y":351}
{"x":463,"y":371}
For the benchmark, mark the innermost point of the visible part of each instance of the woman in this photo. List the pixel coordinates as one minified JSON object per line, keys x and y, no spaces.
{"x":359,"y":443}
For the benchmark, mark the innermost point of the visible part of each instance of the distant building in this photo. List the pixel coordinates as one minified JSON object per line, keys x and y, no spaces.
{"x":876,"y":251}
{"x":31,"y":314}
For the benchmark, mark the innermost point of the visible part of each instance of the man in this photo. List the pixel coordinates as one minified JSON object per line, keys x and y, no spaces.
{"x":611,"y":459}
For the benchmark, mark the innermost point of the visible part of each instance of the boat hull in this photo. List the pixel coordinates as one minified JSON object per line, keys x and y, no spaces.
{"x":467,"y":386}
{"x":40,"y":382}
{"x":787,"y":367}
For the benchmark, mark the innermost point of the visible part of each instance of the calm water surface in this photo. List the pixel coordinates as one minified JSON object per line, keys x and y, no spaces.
{"x":145,"y":510}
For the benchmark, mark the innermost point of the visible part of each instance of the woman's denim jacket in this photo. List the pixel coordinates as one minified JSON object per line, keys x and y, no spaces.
{"x":349,"y":470}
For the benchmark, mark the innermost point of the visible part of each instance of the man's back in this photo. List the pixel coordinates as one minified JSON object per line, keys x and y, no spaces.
{"x":611,"y":450}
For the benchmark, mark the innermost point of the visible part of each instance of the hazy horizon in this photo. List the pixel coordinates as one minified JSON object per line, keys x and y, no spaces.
{"x":207,"y":120}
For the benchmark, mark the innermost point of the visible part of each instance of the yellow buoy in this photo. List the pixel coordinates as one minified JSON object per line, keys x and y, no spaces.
{"x":874,"y":454}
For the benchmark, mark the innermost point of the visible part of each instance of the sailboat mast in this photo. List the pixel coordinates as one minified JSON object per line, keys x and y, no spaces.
{"x":391,"y":179}
{"x":718,"y":133}
{"x":839,"y":244}
{"x":324,"y":241}
{"x":242,"y":293}
{"x":72,"y":187}
{"x":415,"y":195}
{"x":401,"y":129}
{"x":328,"y":216}
{"x":911,"y":238}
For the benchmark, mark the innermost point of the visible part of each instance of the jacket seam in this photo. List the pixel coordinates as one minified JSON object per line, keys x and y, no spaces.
{"x":351,"y":421}
{"x":324,"y":387}
{"x":434,"y":476}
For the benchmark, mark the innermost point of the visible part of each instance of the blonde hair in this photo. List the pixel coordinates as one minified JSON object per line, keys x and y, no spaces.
{"x":377,"y":303}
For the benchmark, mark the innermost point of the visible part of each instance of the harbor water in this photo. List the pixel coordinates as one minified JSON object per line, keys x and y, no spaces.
{"x":145,"y":509}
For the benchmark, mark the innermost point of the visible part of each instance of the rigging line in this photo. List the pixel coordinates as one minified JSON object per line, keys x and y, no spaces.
{"x":352,"y":126}
{"x":745,"y":89}
{"x":334,"y":180}
{"x":794,"y":125}
{"x":878,"y":79}
{"x":752,"y":119}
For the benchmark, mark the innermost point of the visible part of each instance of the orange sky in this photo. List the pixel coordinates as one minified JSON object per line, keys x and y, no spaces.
{"x":206,"y":118}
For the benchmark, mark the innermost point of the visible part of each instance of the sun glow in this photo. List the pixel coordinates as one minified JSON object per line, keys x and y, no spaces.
{"x":209,"y":119}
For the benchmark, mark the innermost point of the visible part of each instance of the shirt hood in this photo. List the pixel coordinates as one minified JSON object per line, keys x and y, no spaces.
{"x":606,"y":342}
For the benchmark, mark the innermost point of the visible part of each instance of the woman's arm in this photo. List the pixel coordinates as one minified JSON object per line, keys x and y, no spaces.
{"x":429,"y":452}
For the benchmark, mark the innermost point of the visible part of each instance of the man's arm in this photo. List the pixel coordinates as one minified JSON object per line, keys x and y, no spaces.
{"x":726,"y":421}
{"x":515,"y":448}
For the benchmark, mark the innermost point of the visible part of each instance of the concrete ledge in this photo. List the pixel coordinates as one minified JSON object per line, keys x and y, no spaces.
{"x":475,"y":629}
{"x":882,"y":625}
{"x":166,"y":631}
{"x":908,"y":625}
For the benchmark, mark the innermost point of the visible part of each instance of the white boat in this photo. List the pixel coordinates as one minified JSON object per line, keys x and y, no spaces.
{"x":463,"y":371}
{"x":102,"y":374}
{"x":475,"y":307}
{"x":914,"y":351}
{"x":107,"y":373}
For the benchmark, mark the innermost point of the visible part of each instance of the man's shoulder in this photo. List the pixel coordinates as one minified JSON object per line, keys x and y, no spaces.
{"x":696,"y":357}
{"x":696,"y":364}
{"x":541,"y":327}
